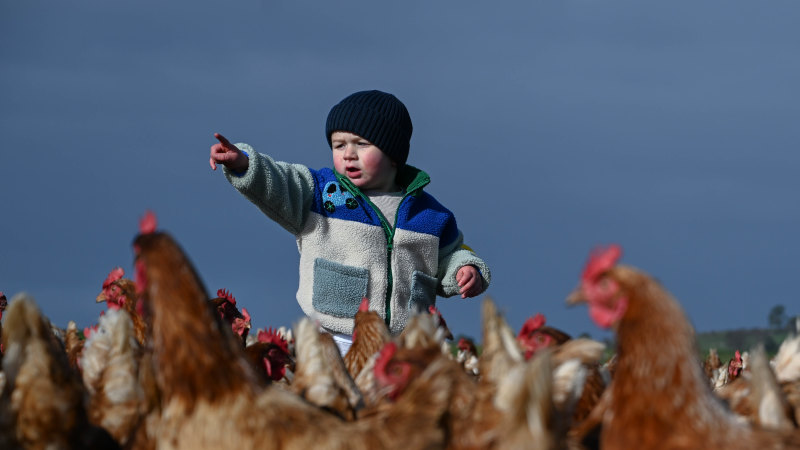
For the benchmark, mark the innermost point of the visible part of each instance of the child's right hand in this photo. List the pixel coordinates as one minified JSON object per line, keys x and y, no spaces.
{"x":228,"y":155}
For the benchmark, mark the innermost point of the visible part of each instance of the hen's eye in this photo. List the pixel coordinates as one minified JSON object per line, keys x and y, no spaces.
{"x":395,"y":370}
{"x":606,"y":285}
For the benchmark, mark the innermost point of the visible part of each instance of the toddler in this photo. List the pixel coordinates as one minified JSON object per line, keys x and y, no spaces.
{"x":365,"y":228}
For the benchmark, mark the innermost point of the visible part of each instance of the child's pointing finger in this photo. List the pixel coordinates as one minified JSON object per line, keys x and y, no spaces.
{"x":223,"y":140}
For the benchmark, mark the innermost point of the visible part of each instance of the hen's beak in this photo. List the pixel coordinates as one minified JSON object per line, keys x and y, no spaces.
{"x":101,"y":297}
{"x":576,"y":297}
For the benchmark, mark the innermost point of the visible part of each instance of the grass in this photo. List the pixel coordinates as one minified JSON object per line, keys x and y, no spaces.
{"x":727,"y":342}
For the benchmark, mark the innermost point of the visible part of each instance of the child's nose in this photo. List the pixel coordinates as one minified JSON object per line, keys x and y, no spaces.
{"x":350,"y":152}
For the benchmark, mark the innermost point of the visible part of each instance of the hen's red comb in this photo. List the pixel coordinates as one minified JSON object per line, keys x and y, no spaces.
{"x":386,"y":354}
{"x":364,"y":306}
{"x":273,"y":337}
{"x":89,"y":331}
{"x":222,"y":293}
{"x":532,"y":324}
{"x":148,"y":223}
{"x":435,"y":311}
{"x":115,"y":275}
{"x":601,"y":260}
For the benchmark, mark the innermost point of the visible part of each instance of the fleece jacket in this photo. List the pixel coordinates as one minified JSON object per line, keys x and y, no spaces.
{"x":349,"y":251}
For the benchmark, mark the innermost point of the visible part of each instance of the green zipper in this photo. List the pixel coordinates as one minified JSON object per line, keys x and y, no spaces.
{"x":417,"y":183}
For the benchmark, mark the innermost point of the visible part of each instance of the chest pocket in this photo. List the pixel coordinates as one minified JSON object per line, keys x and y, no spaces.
{"x":338,"y":289}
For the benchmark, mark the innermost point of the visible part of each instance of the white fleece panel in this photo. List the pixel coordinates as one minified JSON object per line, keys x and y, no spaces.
{"x":412,"y":251}
{"x":361,"y":245}
{"x":345,"y":242}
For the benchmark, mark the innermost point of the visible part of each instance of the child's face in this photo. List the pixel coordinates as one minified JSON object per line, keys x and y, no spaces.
{"x":362,"y":162}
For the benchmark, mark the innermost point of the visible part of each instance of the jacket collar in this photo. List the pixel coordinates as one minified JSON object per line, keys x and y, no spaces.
{"x":411,"y":179}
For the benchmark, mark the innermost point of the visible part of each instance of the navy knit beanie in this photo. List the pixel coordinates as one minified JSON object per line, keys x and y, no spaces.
{"x":377,"y":117}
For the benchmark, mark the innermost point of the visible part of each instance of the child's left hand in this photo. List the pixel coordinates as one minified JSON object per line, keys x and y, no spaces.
{"x":469,"y":280}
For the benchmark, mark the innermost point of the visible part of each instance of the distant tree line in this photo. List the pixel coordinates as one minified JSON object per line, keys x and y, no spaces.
{"x":746,"y":339}
{"x":779,"y":320}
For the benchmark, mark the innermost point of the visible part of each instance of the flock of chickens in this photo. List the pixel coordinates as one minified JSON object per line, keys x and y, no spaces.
{"x":166,"y":367}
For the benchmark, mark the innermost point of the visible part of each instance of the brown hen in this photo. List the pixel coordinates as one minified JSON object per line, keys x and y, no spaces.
{"x":659,"y":397}
{"x":120,"y":293}
{"x":321,"y":376}
{"x":41,"y":405}
{"x":369,"y":336}
{"x":110,"y":371}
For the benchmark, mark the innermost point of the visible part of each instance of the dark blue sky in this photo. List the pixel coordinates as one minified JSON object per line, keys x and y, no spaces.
{"x":548,"y":127}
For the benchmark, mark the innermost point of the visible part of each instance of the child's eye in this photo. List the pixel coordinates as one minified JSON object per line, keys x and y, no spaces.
{"x":363,"y":143}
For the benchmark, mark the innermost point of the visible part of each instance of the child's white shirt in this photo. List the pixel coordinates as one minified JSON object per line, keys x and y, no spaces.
{"x":387,"y":202}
